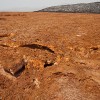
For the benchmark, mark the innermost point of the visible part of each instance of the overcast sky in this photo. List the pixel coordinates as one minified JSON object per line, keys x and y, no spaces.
{"x":32,"y":5}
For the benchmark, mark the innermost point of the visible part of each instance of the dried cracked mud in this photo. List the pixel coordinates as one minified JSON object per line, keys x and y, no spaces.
{"x":49,"y":56}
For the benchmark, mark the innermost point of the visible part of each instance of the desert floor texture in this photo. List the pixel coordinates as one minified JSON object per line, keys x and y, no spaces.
{"x":49,"y":56}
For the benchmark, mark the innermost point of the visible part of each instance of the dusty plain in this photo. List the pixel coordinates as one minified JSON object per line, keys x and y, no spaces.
{"x":49,"y":56}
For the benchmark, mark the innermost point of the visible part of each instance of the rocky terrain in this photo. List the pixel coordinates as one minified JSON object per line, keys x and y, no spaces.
{"x":49,"y":56}
{"x":75,"y":8}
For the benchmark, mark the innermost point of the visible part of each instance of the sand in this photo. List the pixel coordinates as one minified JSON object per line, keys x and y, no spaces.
{"x":49,"y":56}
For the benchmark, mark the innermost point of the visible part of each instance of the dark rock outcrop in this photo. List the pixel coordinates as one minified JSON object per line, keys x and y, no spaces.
{"x":75,"y":8}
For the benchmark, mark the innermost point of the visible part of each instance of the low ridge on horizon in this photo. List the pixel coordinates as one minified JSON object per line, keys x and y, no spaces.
{"x":93,"y":7}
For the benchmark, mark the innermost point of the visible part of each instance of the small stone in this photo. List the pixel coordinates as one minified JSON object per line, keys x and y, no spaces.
{"x":55,"y":63}
{"x":37,"y":83}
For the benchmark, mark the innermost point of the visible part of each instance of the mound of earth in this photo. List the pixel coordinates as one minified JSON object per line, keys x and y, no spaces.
{"x":49,"y":56}
{"x":75,"y":8}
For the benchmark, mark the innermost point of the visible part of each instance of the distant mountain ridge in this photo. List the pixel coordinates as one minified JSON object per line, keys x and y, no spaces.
{"x":75,"y":8}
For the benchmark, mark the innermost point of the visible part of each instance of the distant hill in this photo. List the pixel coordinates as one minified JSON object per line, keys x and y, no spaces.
{"x":75,"y":8}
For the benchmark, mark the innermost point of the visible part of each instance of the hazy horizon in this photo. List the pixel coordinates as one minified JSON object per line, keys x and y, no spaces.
{"x":33,"y":5}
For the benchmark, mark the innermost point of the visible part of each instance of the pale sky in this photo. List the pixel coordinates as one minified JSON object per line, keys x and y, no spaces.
{"x":32,"y":5}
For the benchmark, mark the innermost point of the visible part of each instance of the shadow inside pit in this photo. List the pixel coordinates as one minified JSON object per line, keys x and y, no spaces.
{"x":36,"y":46}
{"x":94,"y":48}
{"x":48,"y":65}
{"x":18,"y":73}
{"x":3,"y":19}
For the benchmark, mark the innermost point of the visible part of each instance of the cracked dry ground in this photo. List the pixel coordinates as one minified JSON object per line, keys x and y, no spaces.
{"x":49,"y":56}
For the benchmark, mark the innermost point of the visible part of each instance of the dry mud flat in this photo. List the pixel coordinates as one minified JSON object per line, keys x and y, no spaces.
{"x":49,"y":56}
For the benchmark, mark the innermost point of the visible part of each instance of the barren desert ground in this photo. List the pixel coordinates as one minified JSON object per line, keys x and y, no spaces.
{"x":49,"y":56}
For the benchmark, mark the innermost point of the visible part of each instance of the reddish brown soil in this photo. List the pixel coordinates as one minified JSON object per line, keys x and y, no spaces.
{"x":59,"y":55}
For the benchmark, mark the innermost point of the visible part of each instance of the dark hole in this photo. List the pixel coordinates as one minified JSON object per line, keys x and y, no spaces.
{"x":57,"y":73}
{"x":94,"y":48}
{"x":19,"y":71}
{"x":48,"y":64}
{"x":7,"y":15}
{"x":2,"y":18}
{"x":7,"y":70}
{"x":36,"y":46}
{"x":16,"y":69}
{"x":4,"y":35}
